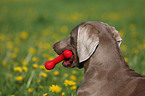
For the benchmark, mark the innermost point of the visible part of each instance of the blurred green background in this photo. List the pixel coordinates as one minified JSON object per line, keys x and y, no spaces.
{"x":29,"y":28}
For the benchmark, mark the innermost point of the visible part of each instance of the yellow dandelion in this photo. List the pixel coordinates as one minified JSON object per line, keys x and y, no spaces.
{"x":16,"y":50}
{"x":55,"y":88}
{"x":19,"y":78}
{"x":24,"y":35}
{"x":43,"y":74}
{"x":143,"y":46}
{"x":1,"y":48}
{"x":47,"y":70}
{"x":72,"y":77}
{"x":56,"y":73}
{"x":70,"y":83}
{"x":114,"y":16}
{"x":9,"y":45}
{"x":9,"y":75}
{"x":30,"y":90}
{"x":25,"y":68}
{"x":126,"y":59}
{"x":35,"y":66}
{"x":32,"y":50}
{"x":12,"y":95}
{"x":65,"y":75}
{"x":123,"y":47}
{"x":38,"y":80}
{"x":73,"y":87}
{"x":9,"y":66}
{"x":50,"y":58}
{"x":18,"y":69}
{"x":24,"y":63}
{"x":140,"y":46}
{"x":2,"y":37}
{"x":135,"y":51}
{"x":17,"y":41}
{"x":34,"y":59}
{"x":45,"y":94}
{"x":41,"y":87}
{"x":62,"y":93}
{"x":4,"y":63}
{"x":46,"y":46}
{"x":74,"y":72}
{"x":13,"y":55}
{"x":45,"y":55}
{"x":121,"y":33}
{"x":41,"y":67}
{"x":74,"y":16}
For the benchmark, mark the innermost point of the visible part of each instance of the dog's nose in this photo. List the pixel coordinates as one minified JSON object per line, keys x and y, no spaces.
{"x":55,"y":47}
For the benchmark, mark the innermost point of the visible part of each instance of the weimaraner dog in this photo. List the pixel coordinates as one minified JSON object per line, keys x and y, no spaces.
{"x":96,"y":47}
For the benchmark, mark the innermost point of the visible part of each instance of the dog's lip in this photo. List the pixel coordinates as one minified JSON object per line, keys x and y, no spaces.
{"x":68,"y":62}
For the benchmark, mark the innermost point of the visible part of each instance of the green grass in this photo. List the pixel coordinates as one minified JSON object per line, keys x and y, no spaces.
{"x":46,"y":22}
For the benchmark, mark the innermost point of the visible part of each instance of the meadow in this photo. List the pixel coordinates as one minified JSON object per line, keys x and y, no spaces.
{"x":29,"y":28}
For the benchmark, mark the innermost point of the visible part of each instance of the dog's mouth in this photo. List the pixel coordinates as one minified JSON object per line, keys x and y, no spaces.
{"x":68,"y":62}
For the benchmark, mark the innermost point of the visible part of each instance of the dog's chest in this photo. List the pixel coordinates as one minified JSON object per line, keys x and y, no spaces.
{"x":105,"y":88}
{"x":95,"y":89}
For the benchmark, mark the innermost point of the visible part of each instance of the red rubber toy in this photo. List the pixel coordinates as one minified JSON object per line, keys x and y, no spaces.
{"x":65,"y":55}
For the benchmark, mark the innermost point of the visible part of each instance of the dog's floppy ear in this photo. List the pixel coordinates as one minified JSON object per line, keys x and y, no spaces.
{"x":116,"y":35}
{"x":87,"y":41}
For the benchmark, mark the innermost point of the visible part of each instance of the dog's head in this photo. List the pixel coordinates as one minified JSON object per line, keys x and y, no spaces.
{"x":83,"y":41}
